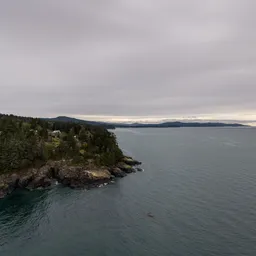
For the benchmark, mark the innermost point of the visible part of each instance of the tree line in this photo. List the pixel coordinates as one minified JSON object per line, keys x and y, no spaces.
{"x":27,"y":142}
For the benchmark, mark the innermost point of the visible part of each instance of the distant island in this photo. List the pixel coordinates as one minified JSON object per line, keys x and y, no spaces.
{"x":38,"y":153}
{"x":174,"y":124}
{"x":177,"y":125}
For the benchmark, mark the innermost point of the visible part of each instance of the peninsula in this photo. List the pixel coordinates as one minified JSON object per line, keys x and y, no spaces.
{"x":37,"y":153}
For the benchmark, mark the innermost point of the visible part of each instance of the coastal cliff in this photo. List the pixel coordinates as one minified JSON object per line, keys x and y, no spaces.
{"x":38,"y":154}
{"x":65,"y":173}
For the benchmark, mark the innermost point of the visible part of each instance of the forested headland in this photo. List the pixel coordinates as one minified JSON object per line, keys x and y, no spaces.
{"x":38,"y":153}
{"x":27,"y":142}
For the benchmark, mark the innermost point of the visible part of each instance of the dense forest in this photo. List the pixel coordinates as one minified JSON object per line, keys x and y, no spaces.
{"x":26,"y":142}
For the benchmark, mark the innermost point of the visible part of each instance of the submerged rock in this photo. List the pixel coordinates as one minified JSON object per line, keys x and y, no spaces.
{"x":150,"y":215}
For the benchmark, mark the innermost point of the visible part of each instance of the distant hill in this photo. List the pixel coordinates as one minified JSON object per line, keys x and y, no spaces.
{"x":79,"y":121}
{"x":178,"y":125}
{"x":143,"y":125}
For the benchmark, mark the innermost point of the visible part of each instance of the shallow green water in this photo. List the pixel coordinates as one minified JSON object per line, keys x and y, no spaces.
{"x":199,"y":183}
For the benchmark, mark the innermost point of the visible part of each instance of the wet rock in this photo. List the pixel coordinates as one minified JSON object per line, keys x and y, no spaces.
{"x":48,"y":182}
{"x":77,"y":177}
{"x":8,"y":183}
{"x":12,"y":181}
{"x":3,"y":194}
{"x":66,"y":174}
{"x":40,"y":182}
{"x":130,"y":161}
{"x":25,"y":180}
{"x":117,"y":172}
{"x":3,"y":189}
{"x":126,"y":168}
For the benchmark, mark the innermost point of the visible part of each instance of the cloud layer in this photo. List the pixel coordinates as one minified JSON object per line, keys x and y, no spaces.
{"x":143,"y":58}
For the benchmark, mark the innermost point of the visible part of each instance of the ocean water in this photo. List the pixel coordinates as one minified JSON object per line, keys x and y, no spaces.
{"x":199,"y":186}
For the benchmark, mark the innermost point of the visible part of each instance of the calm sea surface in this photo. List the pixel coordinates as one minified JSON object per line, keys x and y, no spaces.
{"x":199,"y":184}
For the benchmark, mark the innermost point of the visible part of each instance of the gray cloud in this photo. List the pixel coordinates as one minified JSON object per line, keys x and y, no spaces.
{"x":128,"y":58}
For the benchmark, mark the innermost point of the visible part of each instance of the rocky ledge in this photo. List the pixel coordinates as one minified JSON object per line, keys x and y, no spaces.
{"x":66,"y":174}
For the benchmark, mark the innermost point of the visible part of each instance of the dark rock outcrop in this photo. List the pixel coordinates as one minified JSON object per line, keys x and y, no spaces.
{"x":79,"y":177}
{"x":130,"y":161}
{"x":64,"y":173}
{"x":126,"y":168}
{"x":8,"y":184}
{"x":117,"y":172}
{"x":39,"y":182}
{"x":4,"y":190}
{"x":25,"y":180}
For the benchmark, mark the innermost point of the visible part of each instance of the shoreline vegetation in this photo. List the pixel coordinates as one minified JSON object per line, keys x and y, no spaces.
{"x":38,"y":153}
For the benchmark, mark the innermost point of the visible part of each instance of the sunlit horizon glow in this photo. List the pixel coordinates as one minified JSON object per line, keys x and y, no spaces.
{"x":244,"y":118}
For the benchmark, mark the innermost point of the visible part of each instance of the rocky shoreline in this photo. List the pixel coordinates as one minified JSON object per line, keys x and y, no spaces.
{"x":66,"y":174}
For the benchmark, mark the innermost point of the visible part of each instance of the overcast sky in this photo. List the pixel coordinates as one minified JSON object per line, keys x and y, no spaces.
{"x":122,"y":59}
